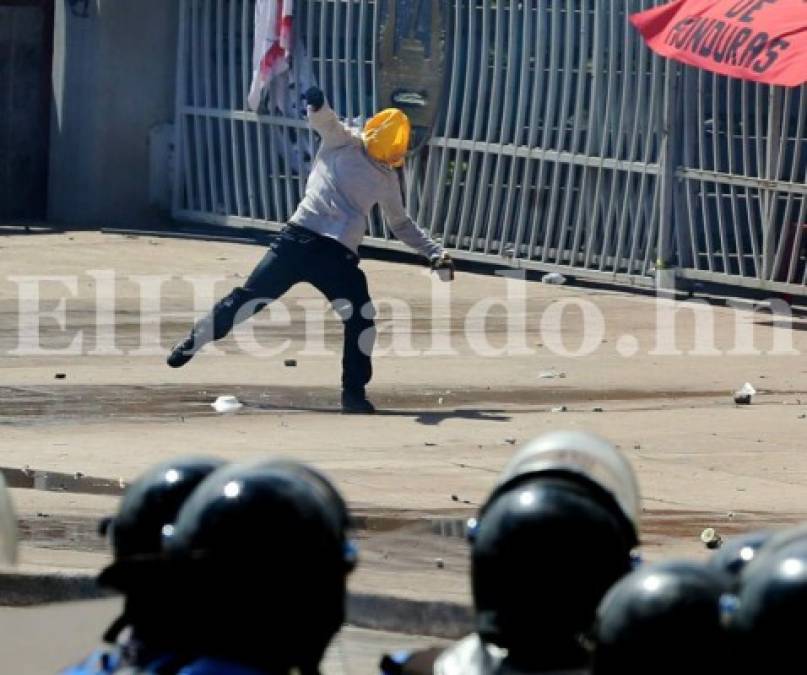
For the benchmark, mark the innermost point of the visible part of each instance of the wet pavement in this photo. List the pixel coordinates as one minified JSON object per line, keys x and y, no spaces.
{"x":58,"y":404}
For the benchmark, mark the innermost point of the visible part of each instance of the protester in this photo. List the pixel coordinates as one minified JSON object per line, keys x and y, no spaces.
{"x":320,"y":244}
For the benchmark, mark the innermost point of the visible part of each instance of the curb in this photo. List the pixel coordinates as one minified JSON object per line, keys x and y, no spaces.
{"x":364,"y":610}
{"x":24,"y":590}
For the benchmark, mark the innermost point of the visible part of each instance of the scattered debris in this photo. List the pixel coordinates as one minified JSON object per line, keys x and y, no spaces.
{"x":78,"y":475}
{"x":440,"y":563}
{"x":60,"y":376}
{"x":553,"y":279}
{"x":562,"y":376}
{"x":637,"y":446}
{"x":290,"y":363}
{"x":560,"y":409}
{"x":454,"y":498}
{"x":225,"y":404}
{"x":730,"y":514}
{"x":466,"y":501}
{"x":744,"y":395}
{"x":801,"y":417}
{"x":510,"y":441}
{"x":39,"y":514}
{"x":547,"y":375}
{"x":597,"y":409}
{"x":711,"y":538}
{"x":430,"y":445}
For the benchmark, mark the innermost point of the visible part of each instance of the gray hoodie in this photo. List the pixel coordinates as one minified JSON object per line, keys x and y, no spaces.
{"x":345,"y":184}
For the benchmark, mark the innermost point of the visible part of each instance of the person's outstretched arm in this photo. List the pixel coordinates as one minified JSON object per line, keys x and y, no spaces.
{"x":324,"y":121}
{"x":404,"y":227}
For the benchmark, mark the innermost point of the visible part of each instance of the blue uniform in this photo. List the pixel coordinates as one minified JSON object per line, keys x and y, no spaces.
{"x":99,"y":662}
{"x":111,"y":660}
{"x":216,"y":667}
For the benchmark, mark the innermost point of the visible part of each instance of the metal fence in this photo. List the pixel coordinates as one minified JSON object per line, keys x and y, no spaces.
{"x":565,"y":143}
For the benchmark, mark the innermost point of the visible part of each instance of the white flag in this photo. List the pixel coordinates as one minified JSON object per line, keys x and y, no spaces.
{"x":270,"y":57}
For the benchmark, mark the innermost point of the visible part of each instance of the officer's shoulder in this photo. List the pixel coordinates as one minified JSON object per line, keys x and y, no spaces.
{"x":411,"y":663}
{"x":99,"y":662}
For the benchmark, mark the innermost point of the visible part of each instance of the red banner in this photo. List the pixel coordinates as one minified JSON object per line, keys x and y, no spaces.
{"x":760,"y":40}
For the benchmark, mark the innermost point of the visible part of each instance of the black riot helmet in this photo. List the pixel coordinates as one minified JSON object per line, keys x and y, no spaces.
{"x":768,"y":621}
{"x":151,"y":504}
{"x":543,"y":555}
{"x":147,"y":510}
{"x":665,"y":619}
{"x":587,"y":459}
{"x":738,"y":552}
{"x":265,"y":556}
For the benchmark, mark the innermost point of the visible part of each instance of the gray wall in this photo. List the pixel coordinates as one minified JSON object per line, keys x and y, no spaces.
{"x":24,"y":110}
{"x":114,"y":77}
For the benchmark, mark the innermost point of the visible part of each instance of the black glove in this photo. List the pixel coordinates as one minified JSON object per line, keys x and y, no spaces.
{"x":314,"y":97}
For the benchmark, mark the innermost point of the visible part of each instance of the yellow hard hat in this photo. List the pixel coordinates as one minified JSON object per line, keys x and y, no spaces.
{"x":386,"y":136}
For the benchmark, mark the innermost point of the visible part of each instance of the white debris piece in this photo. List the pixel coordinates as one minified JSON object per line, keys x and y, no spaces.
{"x":554,"y":279}
{"x":547,"y":374}
{"x":745,"y":394}
{"x":711,"y":538}
{"x":225,"y":404}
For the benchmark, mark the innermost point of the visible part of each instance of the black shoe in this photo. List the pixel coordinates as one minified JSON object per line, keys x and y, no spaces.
{"x":182,"y":352}
{"x":356,"y":404}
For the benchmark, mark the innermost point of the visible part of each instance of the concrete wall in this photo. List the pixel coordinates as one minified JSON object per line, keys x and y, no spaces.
{"x":114,"y":77}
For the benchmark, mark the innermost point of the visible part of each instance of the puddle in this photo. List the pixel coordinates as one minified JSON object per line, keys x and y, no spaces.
{"x":403,"y":531}
{"x":53,"y":481}
{"x":43,"y":405}
{"x":62,"y":533}
{"x":660,"y":526}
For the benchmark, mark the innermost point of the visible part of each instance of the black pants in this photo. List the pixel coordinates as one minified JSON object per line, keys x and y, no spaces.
{"x":299,"y":255}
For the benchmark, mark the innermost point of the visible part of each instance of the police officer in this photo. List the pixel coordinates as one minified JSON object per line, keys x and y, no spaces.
{"x":767,"y":624}
{"x":738,"y":552}
{"x":8,"y":526}
{"x":663,"y":619}
{"x":555,"y":534}
{"x":265,"y":554}
{"x":140,"y":572}
{"x":351,"y":173}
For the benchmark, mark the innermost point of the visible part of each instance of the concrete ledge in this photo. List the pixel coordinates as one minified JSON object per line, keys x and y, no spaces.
{"x":18,"y":589}
{"x":374,"y":612}
{"x":416,"y":617}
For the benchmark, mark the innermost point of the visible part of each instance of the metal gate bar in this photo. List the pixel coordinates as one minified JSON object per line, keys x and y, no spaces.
{"x":565,"y":144}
